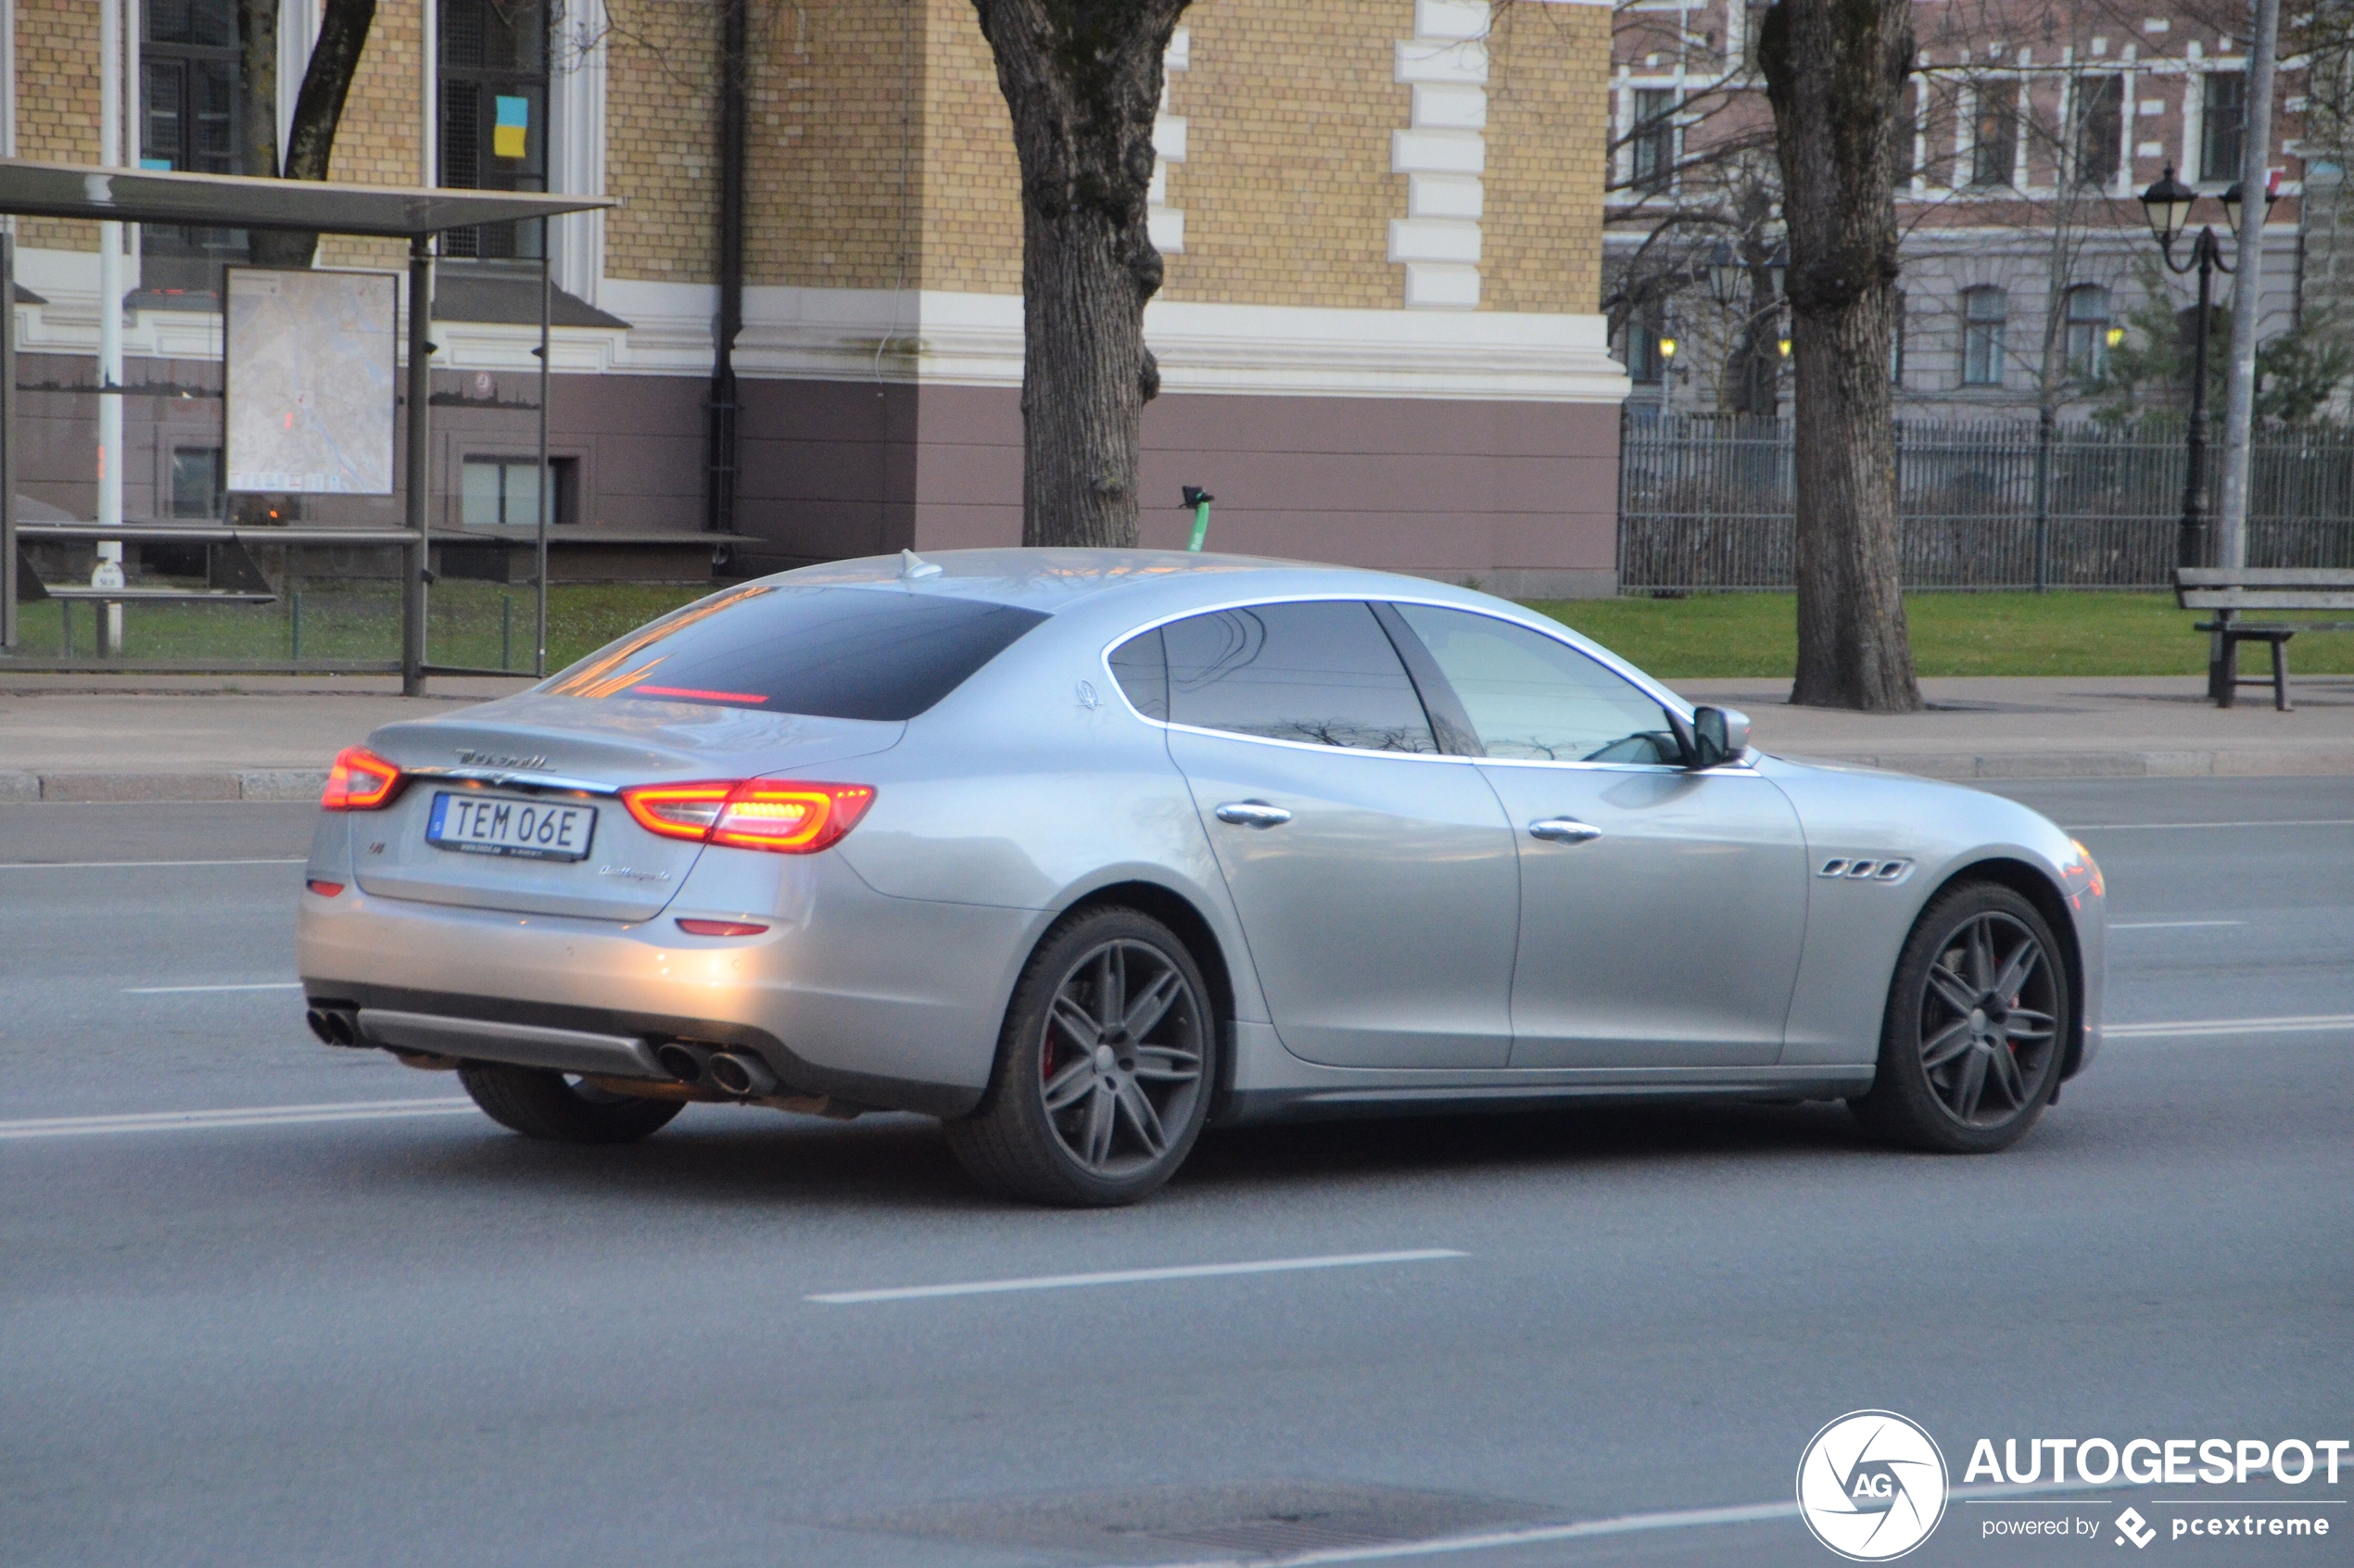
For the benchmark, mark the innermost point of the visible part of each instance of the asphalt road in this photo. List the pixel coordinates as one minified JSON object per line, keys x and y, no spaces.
{"x":413,"y":1338}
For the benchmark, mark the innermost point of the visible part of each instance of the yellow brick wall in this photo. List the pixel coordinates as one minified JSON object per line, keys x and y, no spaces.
{"x":57,"y":103}
{"x":1286,"y":186}
{"x":1547,"y":127}
{"x":971,"y":213}
{"x":833,"y":115}
{"x":662,"y":135}
{"x":376,"y":142}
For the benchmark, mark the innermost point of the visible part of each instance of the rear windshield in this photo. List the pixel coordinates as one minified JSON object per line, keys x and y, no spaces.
{"x":828,"y":652}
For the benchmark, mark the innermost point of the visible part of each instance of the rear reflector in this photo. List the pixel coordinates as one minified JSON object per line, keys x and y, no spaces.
{"x":720,"y":927}
{"x":360,"y":780}
{"x":787,"y":816}
{"x":325,"y":889}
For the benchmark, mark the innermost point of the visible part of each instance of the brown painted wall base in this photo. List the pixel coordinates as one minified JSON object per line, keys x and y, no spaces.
{"x":1520,"y":497}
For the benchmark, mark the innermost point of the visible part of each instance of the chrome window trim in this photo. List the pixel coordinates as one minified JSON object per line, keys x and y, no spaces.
{"x":500,"y":778}
{"x":1601,"y":655}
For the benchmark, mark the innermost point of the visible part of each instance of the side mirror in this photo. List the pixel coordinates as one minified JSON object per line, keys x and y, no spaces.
{"x":1719,"y":735}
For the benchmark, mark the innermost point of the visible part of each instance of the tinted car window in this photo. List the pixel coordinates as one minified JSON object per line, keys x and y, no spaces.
{"x":1142,"y":669}
{"x":1530,"y":696}
{"x":1322,"y":673}
{"x":829,"y":653}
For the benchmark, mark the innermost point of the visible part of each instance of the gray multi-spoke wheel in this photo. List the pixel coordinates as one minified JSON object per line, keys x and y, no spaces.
{"x":1104,"y":1071}
{"x":1977,"y":1022}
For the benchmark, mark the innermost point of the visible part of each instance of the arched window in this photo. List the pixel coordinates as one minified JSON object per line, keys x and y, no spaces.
{"x":2088,"y":323}
{"x":1984,"y":312}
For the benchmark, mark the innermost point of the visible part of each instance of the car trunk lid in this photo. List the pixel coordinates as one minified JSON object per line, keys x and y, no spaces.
{"x":548,"y":759}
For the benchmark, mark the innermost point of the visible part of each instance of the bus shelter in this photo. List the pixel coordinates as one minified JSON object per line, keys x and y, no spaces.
{"x":105,"y":195}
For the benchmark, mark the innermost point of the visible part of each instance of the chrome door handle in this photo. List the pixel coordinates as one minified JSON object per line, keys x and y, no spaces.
{"x":1252,"y":814}
{"x":1564,"y":830}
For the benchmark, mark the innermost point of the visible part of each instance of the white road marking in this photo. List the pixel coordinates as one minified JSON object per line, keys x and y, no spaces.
{"x":89,"y":864}
{"x":2167,"y":925}
{"x":2309,"y":1023}
{"x":1131,"y":1276}
{"x":246,"y":1116}
{"x":1621,"y":1524}
{"x":181,"y":989}
{"x":2154,"y":826}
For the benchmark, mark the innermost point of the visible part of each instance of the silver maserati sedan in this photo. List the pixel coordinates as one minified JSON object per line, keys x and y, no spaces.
{"x":1082,"y":852}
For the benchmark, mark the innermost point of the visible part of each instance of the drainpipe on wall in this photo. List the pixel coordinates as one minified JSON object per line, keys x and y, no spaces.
{"x":719,"y":509}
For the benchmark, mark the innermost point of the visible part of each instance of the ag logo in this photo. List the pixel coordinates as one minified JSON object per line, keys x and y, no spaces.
{"x":1871,"y":1485}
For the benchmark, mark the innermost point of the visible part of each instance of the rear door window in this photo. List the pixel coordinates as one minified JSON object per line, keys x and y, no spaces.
{"x":1323,"y":672}
{"x":1531,"y":698}
{"x":828,"y":652}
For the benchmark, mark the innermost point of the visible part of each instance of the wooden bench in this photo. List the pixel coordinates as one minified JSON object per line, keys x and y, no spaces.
{"x":2230,"y":591}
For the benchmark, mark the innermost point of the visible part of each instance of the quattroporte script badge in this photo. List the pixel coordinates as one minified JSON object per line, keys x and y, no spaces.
{"x":1871,"y":1485}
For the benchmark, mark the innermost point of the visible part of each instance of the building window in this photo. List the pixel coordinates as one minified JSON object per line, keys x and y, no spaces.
{"x":1908,"y":108}
{"x":2100,"y":129}
{"x":1994,"y":146}
{"x":1653,"y":139}
{"x":2088,"y":319}
{"x":494,"y":492}
{"x":2224,"y":110}
{"x":195,"y":483}
{"x":1984,"y":312}
{"x":1645,"y":363}
{"x":188,"y":123}
{"x":494,"y":116}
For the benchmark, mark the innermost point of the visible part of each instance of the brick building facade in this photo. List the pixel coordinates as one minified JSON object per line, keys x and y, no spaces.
{"x":1379,"y":335}
{"x":2036,"y":124}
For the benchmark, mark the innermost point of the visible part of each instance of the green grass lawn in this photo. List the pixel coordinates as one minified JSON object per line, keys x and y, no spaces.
{"x":1954,"y":634}
{"x":485,"y":625}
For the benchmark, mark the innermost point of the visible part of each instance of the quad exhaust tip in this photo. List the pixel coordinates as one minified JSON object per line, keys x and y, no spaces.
{"x":738,"y":1073}
{"x":334,"y":1027}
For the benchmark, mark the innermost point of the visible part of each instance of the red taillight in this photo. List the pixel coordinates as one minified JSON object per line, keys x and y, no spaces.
{"x":360,"y":780}
{"x":788,"y":815}
{"x":324,"y":888}
{"x":720,"y":927}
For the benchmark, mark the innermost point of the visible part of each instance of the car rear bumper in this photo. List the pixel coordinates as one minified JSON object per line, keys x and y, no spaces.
{"x":890,"y":1002}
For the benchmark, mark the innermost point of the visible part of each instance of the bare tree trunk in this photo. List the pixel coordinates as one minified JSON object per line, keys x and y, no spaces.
{"x":257,"y":86}
{"x":1083,"y":79}
{"x":310,"y":138}
{"x":1835,"y":72}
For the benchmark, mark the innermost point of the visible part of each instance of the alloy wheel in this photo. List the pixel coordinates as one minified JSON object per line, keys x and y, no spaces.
{"x":1121,"y":1066}
{"x":1987,"y":1033}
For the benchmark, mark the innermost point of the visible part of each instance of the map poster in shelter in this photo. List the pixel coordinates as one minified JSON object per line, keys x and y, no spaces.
{"x":310,"y":381}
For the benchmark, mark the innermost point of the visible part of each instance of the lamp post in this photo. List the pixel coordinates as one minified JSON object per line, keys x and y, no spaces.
{"x":1727,"y":271}
{"x":2166,"y":205}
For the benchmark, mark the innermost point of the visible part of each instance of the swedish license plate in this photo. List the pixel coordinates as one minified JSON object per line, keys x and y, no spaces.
{"x":498,"y":825}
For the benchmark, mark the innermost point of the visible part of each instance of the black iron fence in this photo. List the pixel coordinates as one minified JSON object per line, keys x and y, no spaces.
{"x":1708,"y":502}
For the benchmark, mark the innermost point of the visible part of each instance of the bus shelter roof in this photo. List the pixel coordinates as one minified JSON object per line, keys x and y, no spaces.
{"x":237,"y":201}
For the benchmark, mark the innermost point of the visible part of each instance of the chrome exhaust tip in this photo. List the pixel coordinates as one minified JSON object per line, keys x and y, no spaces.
{"x":332,"y":1028}
{"x":742,"y":1073}
{"x":688,"y":1063}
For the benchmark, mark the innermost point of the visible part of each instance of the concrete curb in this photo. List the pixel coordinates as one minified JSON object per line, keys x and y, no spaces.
{"x":304,"y":784}
{"x":250,"y":784}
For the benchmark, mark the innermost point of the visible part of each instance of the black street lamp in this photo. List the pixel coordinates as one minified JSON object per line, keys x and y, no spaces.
{"x":2167,"y":204}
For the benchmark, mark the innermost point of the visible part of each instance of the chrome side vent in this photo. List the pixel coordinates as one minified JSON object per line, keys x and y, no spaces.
{"x":1866,"y":869}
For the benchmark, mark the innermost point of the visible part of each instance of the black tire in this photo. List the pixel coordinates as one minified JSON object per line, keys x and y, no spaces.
{"x":1977,"y":1025}
{"x":1127,"y":1060}
{"x":540,"y":1104}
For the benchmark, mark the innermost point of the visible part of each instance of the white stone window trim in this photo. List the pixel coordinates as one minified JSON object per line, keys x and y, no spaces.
{"x":1164,"y":222}
{"x":1443,"y":154}
{"x":576,"y":87}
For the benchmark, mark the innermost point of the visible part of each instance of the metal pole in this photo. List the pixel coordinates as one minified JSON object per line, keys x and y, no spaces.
{"x":2191,"y":547}
{"x":414,"y":572}
{"x":546,"y":495}
{"x":111,"y":57}
{"x":7,"y":441}
{"x":2247,"y":285}
{"x":2042,"y":498}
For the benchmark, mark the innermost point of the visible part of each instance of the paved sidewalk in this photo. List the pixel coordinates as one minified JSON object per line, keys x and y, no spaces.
{"x":65,"y":738}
